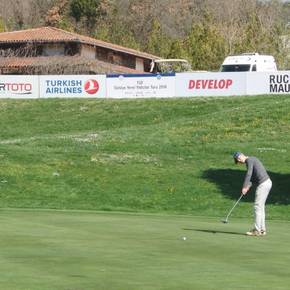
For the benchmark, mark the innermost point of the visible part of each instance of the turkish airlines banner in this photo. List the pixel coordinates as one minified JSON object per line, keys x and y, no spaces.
{"x":73,"y":86}
{"x":141,"y":86}
{"x":18,"y":86}
{"x":210,"y":84}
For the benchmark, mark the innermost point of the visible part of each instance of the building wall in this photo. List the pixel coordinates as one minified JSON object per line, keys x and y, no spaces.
{"x":139,"y":64}
{"x":88,"y":51}
{"x":72,"y":48}
{"x":116,"y":57}
{"x":53,"y":49}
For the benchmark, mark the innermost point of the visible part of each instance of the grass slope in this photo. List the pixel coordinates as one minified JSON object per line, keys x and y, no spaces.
{"x":157,"y":155}
{"x":107,"y":251}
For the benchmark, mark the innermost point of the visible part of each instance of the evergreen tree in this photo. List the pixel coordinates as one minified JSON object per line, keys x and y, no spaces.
{"x":116,"y":29}
{"x":177,"y":49}
{"x":2,"y":25}
{"x":86,"y":10}
{"x":157,"y":42}
{"x":205,"y":45}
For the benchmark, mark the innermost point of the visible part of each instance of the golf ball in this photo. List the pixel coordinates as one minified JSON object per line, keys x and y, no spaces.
{"x":184,"y":238}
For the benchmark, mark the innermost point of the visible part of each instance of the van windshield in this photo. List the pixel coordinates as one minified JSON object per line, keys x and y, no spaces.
{"x":235,"y":67}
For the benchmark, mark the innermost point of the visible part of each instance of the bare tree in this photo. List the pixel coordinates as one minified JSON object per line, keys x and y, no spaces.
{"x":27,"y":50}
{"x":55,"y":13}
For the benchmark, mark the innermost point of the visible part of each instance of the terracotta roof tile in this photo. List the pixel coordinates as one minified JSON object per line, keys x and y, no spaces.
{"x":52,"y":34}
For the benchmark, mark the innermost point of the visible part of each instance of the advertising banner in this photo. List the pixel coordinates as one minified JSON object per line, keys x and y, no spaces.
{"x":141,"y":86}
{"x":210,"y":84}
{"x":268,"y":83}
{"x":196,"y":84}
{"x":19,"y":87}
{"x":73,"y":86}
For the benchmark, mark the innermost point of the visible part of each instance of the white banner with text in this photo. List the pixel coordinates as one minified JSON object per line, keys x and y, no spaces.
{"x":268,"y":83}
{"x":200,"y":84}
{"x":73,"y":86}
{"x":141,"y":86}
{"x":19,"y":87}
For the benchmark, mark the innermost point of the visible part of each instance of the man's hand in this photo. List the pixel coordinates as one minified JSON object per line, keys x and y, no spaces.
{"x":245,"y":190}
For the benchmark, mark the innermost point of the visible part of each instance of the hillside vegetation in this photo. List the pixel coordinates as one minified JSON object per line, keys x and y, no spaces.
{"x":203,"y":32}
{"x":157,"y":155}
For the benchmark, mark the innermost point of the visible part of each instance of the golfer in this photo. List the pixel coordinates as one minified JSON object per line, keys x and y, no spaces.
{"x":256,"y":173}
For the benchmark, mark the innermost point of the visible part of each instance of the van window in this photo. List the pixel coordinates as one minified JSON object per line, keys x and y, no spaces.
{"x":254,"y":67}
{"x":235,"y":67}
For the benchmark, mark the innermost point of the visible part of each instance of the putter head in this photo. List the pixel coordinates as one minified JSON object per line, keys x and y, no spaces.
{"x":225,"y":221}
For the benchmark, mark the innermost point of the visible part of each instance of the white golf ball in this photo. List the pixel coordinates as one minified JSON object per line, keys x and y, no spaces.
{"x":184,"y":238}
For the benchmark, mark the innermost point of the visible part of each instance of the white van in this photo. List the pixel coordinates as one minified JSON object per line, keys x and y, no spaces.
{"x":249,"y":62}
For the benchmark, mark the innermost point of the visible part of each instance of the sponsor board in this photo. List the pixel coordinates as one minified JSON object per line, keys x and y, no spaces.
{"x":73,"y":86}
{"x":145,"y":85}
{"x":268,"y":83}
{"x":210,"y":84}
{"x":141,"y":86}
{"x":279,"y":83}
{"x":19,"y":87}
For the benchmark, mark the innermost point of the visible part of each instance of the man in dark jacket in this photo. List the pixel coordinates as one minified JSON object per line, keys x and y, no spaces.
{"x":257,"y":174}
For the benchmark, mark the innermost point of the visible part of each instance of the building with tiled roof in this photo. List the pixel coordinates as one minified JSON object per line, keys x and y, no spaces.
{"x":50,"y":50}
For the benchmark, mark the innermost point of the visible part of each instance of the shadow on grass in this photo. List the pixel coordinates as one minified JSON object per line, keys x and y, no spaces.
{"x":230,"y":183}
{"x":215,"y":232}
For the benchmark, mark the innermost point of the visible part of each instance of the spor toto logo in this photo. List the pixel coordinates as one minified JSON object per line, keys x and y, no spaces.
{"x":91,"y":87}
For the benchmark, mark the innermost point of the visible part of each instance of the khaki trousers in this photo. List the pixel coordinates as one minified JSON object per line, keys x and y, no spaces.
{"x":262,"y":193}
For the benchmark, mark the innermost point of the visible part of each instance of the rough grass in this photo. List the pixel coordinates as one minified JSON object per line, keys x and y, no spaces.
{"x":169,"y":155}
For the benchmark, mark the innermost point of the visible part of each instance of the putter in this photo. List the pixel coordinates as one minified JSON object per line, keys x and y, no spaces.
{"x":226,"y":220}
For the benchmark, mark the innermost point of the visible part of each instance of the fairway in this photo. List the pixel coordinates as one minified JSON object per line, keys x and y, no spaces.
{"x":80,"y":250}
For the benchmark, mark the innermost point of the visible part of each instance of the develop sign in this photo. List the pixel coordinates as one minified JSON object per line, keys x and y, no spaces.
{"x":210,"y":84}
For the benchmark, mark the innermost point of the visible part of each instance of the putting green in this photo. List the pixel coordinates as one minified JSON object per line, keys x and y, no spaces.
{"x":102,"y":251}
